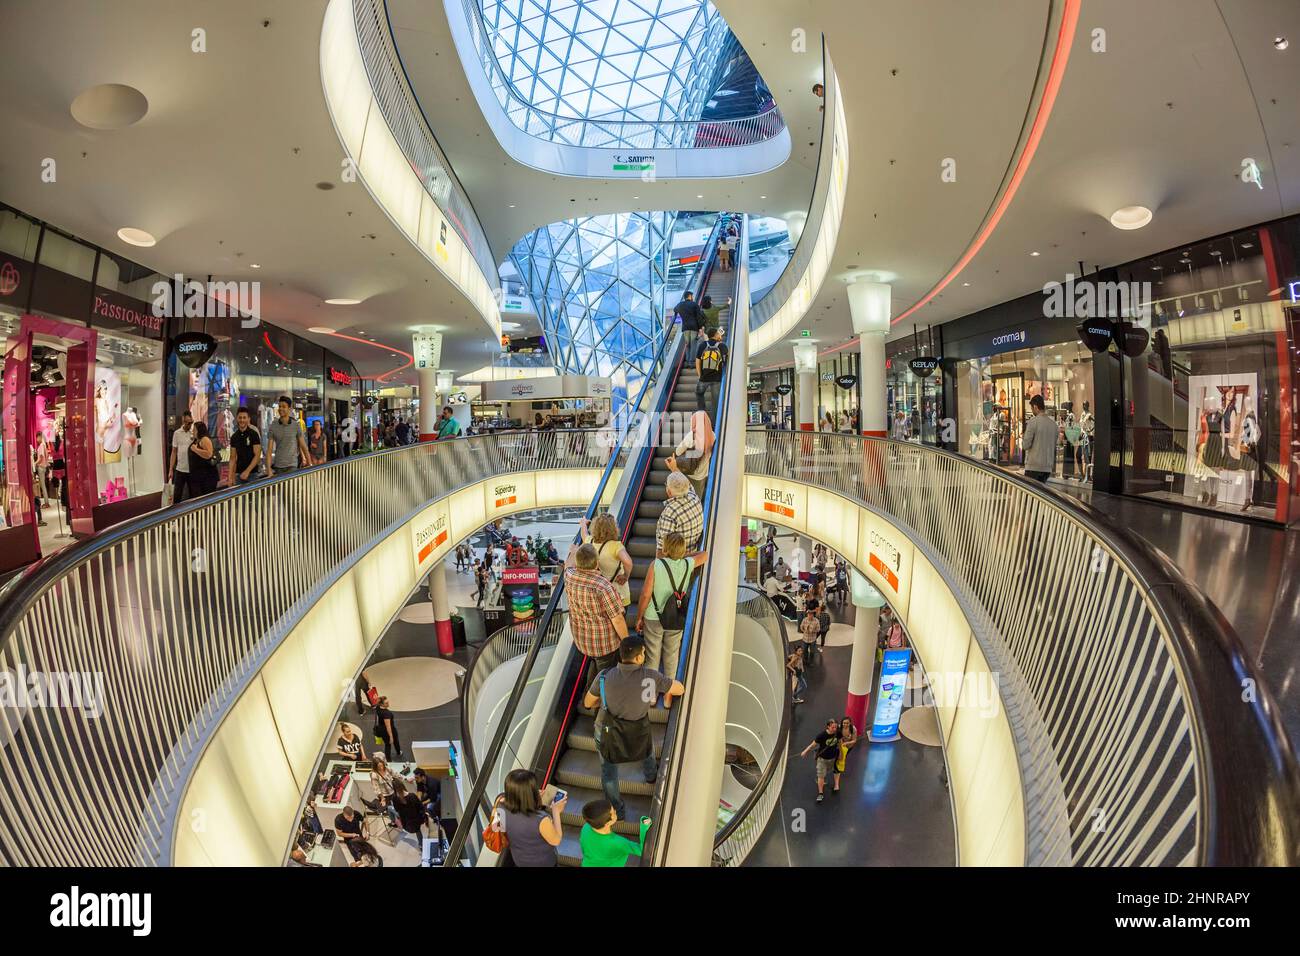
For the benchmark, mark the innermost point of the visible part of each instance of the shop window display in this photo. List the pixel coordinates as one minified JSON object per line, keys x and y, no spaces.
{"x":993,"y":396}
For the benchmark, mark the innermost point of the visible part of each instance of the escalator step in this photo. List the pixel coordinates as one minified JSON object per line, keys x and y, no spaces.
{"x":569,"y":852}
{"x":650,"y":510}
{"x":644,"y":528}
{"x":641,"y":548}
{"x":581,"y":734}
{"x":654,"y":493}
{"x":657,"y":716}
{"x":581,"y":768}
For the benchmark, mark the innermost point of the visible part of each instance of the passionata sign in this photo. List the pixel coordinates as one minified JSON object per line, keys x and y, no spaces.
{"x":784,"y":389}
{"x":339,"y":377}
{"x":924,"y":365}
{"x":846,"y":382}
{"x":430,"y":533}
{"x":194,"y":348}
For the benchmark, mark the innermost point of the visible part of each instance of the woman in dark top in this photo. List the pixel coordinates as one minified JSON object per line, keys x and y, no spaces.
{"x":203,"y":461}
{"x":316,"y":443}
{"x":386,"y":729}
{"x":533,"y":831}
{"x":410,"y":811}
{"x":349,"y":744}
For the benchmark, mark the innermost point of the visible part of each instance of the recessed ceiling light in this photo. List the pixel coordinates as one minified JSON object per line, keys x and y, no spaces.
{"x":254,"y":265}
{"x":762,"y":197}
{"x":1035,"y":253}
{"x":1130,"y":217}
{"x":321,"y":330}
{"x":512,"y":205}
{"x":966,"y":283}
{"x":1281,"y":42}
{"x":135,"y":237}
{"x":1215,"y":252}
{"x":342,"y":301}
{"x":1244,"y":245}
{"x":699,"y":197}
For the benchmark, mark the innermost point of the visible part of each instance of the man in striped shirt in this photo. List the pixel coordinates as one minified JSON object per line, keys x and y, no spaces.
{"x":682,"y":513}
{"x":596,"y":614}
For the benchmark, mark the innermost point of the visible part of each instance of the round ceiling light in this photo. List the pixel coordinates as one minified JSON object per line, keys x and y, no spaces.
{"x":109,"y":106}
{"x":342,"y":301}
{"x":1130,"y":217}
{"x":321,"y":330}
{"x":136,"y":237}
{"x":1281,"y":43}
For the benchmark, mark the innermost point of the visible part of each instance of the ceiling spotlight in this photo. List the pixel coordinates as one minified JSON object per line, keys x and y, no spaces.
{"x":512,"y":205}
{"x":699,"y":197}
{"x":1130,"y":217}
{"x":342,"y":301}
{"x":321,"y":330}
{"x":965,"y":283}
{"x":1281,"y":43}
{"x":1035,"y":253}
{"x":1248,"y":245}
{"x":254,"y":265}
{"x":762,"y":197}
{"x":135,"y":237}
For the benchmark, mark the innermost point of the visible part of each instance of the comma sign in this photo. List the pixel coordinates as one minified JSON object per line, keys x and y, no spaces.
{"x":1096,"y":334}
{"x":923,"y":366}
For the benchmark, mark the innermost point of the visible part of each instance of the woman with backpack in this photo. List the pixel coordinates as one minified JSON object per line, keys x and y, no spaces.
{"x":661,"y":612}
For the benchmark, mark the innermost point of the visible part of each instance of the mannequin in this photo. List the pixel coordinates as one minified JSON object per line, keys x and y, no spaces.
{"x":131,"y":421}
{"x":1252,"y":462}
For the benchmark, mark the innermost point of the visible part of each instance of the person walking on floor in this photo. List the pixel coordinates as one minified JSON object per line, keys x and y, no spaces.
{"x":809,"y":628}
{"x":848,"y":740}
{"x":386,"y":729}
{"x":286,"y":449}
{"x":661,"y":611}
{"x":827,"y":745}
{"x":245,"y":450}
{"x":178,"y":468}
{"x":1039,"y":442}
{"x":794,"y":667}
{"x":625,"y":694}
{"x":203,"y":462}
{"x":596,"y":615}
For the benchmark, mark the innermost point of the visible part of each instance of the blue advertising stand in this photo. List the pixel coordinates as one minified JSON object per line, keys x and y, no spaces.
{"x":889,"y":696}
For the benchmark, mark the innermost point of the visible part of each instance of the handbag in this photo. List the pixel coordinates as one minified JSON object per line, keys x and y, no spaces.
{"x":619,"y":740}
{"x":672,"y":616}
{"x":494,"y":838}
{"x":372,"y":695}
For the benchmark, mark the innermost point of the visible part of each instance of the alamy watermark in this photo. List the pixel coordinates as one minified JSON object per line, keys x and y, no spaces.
{"x":22,"y":689}
{"x":192,"y":299}
{"x":1086,"y":299}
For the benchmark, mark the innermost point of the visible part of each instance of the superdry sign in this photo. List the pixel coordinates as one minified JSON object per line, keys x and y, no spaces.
{"x":339,"y":377}
{"x":505,"y":495}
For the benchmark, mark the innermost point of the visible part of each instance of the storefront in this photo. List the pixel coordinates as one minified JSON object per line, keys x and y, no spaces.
{"x":1200,"y":416}
{"x":771,"y":397}
{"x":83,"y":389}
{"x":837,"y":392}
{"x":553,"y":401}
{"x":914,"y":403}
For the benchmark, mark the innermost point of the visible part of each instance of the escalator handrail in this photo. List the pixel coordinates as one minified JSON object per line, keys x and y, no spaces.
{"x":679,"y":717}
{"x":477,"y":798}
{"x":780,"y":748}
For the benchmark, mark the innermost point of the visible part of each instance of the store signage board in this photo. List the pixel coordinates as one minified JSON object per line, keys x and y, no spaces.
{"x":193,"y":349}
{"x":547,"y":387}
{"x":338,"y":376}
{"x":1096,"y":334}
{"x":1132,"y":339}
{"x":846,"y":382}
{"x":427,"y":347}
{"x":923,"y":366}
{"x":646,"y":165}
{"x":502,"y":496}
{"x":784,"y":389}
{"x":889,"y":698}
{"x":805,"y":333}
{"x":755,"y":385}
{"x":781,"y":502}
{"x":1294,"y":290}
{"x":430,"y":536}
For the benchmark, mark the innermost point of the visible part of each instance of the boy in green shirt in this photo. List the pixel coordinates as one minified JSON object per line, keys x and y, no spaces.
{"x":601,"y":846}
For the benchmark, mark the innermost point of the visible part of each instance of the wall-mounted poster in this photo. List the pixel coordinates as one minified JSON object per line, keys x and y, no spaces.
{"x":108,"y":415}
{"x":1223,"y":433}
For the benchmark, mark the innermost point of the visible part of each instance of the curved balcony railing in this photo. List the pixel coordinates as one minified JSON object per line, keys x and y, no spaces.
{"x":148,"y":630}
{"x":598,"y":133}
{"x":406,"y":119}
{"x":1135,"y":742}
{"x":739,"y":835}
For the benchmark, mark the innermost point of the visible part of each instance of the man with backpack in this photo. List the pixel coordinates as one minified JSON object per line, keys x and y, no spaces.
{"x":710,"y":358}
{"x":625,"y":694}
{"x":661,"y":612}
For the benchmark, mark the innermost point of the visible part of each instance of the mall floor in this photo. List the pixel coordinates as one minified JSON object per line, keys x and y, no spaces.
{"x":893,"y":808}
{"x":1250,"y":571}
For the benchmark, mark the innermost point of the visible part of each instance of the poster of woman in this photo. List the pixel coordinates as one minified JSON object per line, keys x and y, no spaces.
{"x":108,"y":415}
{"x":1222,"y":435}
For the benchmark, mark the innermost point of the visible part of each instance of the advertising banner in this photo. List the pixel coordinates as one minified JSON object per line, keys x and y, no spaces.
{"x":889,"y":700}
{"x":519,"y":593}
{"x":781,"y":502}
{"x":430,"y":536}
{"x":506,"y":495}
{"x":1223,"y":437}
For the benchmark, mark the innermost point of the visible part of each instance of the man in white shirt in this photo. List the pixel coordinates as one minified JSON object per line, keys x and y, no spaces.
{"x":178,"y":468}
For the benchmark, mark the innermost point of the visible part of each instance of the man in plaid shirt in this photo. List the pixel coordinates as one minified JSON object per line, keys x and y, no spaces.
{"x":596,"y":613}
{"x":682,"y":513}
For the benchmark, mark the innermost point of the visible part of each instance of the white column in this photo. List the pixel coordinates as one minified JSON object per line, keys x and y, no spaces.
{"x":429,"y":407}
{"x":805,"y":389}
{"x":441,"y":607}
{"x":869,"y":307}
{"x":867,"y":602}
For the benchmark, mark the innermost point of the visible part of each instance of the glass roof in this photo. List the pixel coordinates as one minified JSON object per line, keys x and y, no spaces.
{"x":616,"y":61}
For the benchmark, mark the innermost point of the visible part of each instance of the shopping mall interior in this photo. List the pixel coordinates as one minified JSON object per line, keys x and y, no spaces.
{"x":715,"y":434}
